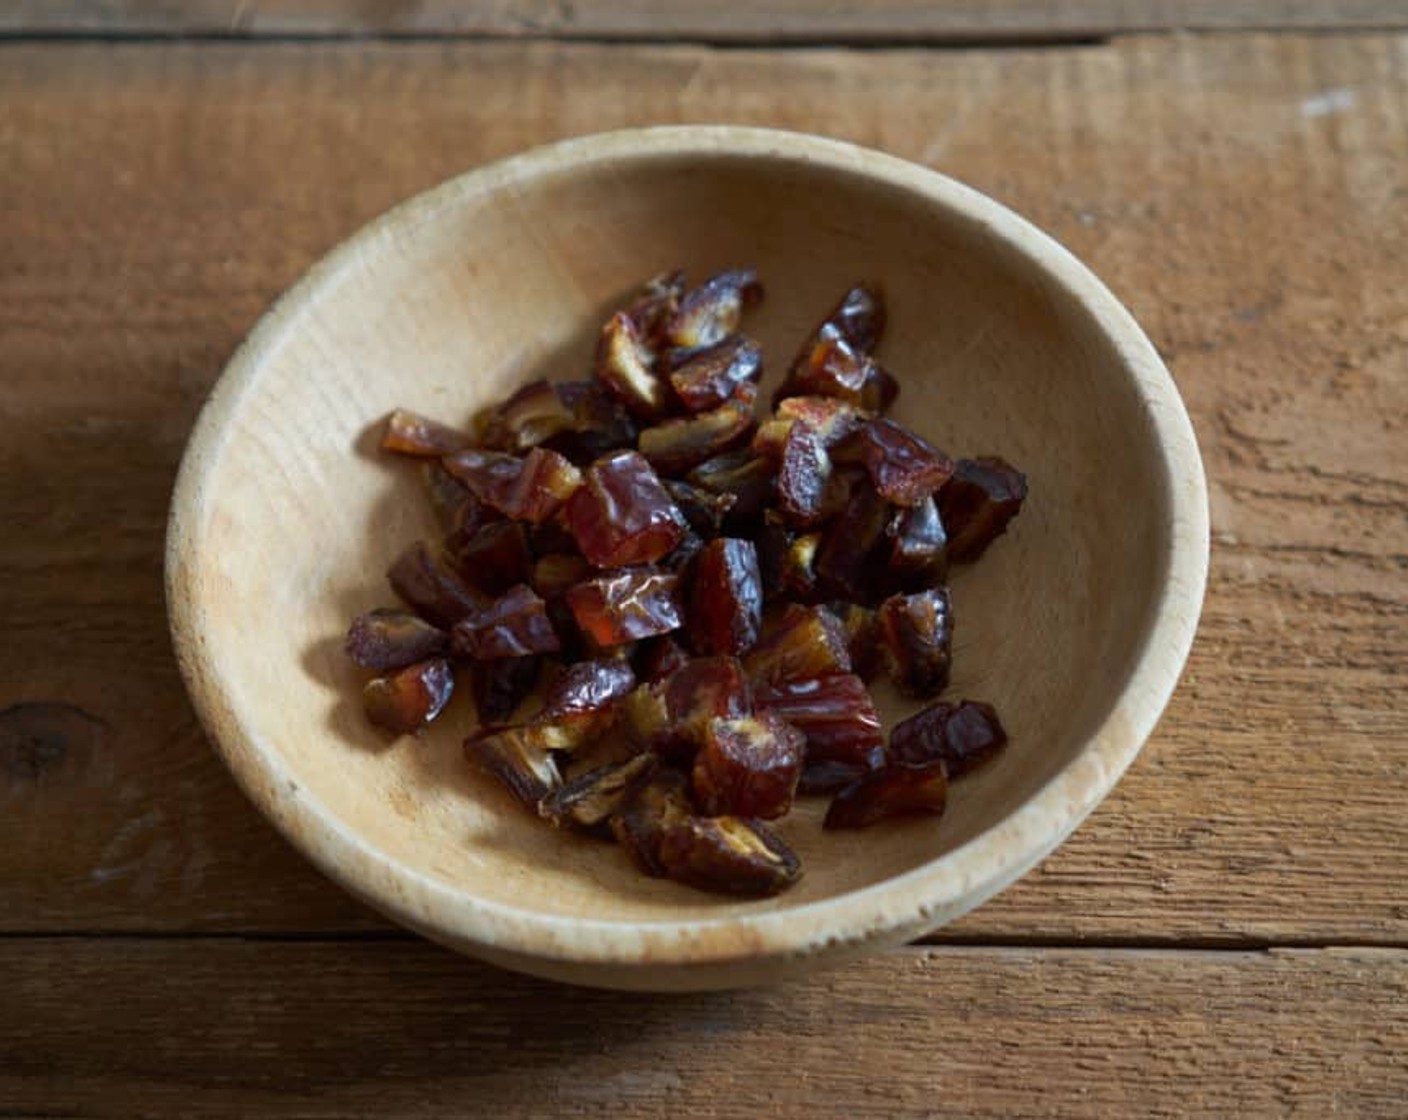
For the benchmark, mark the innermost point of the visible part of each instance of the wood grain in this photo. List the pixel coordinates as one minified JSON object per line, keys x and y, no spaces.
{"x":1244,"y":194}
{"x":307,"y":1030}
{"x":772,"y":21}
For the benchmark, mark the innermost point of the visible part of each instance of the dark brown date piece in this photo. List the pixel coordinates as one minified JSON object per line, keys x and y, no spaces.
{"x":748,"y":767}
{"x":862,"y":630}
{"x":627,"y":605}
{"x":744,"y":475}
{"x":389,"y":638}
{"x":408,"y":699}
{"x":731,"y":855}
{"x":423,"y":581}
{"x":516,"y":624}
{"x":531,"y":489}
{"x":519,"y":758}
{"x":533,"y":414}
{"x":658,"y":658}
{"x":703,"y":509}
{"x":500,"y":687}
{"x":835,"y":713}
{"x":977,"y":503}
{"x":832,"y":367}
{"x":847,"y":564}
{"x":589,"y":800}
{"x":725,"y":608}
{"x":409,"y":433}
{"x":904,"y":467}
{"x":916,"y":635}
{"x":900,"y":789}
{"x":962,"y":736}
{"x":918,"y":547}
{"x":711,"y":377}
{"x":640,"y":823}
{"x":798,"y":643}
{"x":711,"y":312}
{"x":624,"y":366}
{"x":622,"y":514}
{"x":678,"y":445}
{"x":454,"y":507}
{"x":494,"y":558}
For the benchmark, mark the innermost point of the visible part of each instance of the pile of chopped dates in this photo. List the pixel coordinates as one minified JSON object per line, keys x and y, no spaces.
{"x":690,"y":602}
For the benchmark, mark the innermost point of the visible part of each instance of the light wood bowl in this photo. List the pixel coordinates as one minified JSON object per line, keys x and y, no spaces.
{"x":1075,"y":624}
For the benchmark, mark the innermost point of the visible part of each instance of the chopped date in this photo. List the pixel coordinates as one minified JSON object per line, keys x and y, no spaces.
{"x":519,"y":758}
{"x":748,"y":767}
{"x":798,"y":643}
{"x":962,"y":736}
{"x":622,"y":514}
{"x":977,"y":504}
{"x":711,"y":312}
{"x":606,"y":549}
{"x":835,"y":713}
{"x":708,"y":378}
{"x":732,"y":855}
{"x":409,"y":433}
{"x":494,"y":558}
{"x":916,"y":634}
{"x":905,"y":468}
{"x":680,"y":444}
{"x":389,"y":638}
{"x":725,"y":606}
{"x":627,"y":605}
{"x":900,"y":789}
{"x":624,"y":366}
{"x":514,"y":625}
{"x":409,"y":698}
{"x":423,"y":582}
{"x":589,"y":800}
{"x":500,"y":687}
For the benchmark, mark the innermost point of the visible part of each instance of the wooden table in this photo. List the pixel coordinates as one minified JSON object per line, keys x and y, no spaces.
{"x":1227,"y":934}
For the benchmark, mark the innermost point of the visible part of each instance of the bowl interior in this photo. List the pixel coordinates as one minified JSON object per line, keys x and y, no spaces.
{"x":462,"y":296}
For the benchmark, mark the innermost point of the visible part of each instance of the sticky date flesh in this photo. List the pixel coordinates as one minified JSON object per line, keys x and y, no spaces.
{"x":606,"y":549}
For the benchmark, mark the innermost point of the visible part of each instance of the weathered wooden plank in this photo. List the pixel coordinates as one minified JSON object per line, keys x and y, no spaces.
{"x":1244,"y":194}
{"x":771,"y":21}
{"x":110,"y":1028}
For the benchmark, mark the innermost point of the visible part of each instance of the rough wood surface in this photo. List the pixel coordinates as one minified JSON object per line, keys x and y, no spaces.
{"x":730,"y":20}
{"x":289,"y":1030}
{"x":1244,"y":194}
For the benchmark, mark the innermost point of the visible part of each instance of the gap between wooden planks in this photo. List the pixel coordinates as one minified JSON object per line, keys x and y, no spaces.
{"x":1242,"y":193}
{"x":310,"y":1030}
{"x":769,"y":21}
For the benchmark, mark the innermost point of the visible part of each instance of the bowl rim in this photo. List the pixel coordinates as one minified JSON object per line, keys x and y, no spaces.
{"x":892,"y":909}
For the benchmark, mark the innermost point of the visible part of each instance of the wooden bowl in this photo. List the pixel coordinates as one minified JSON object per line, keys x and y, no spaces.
{"x":1075,"y":624}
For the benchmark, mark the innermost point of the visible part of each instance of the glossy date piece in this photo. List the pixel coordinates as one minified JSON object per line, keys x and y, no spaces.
{"x":625,"y":367}
{"x":803,"y":478}
{"x":798,"y":643}
{"x":671,"y":717}
{"x":748,"y":767}
{"x":423,"y":581}
{"x":962,"y":736}
{"x":862,"y":629}
{"x":900,"y":789}
{"x":829,"y":777}
{"x":703,"y":509}
{"x":588,"y":688}
{"x":516,"y":624}
{"x":918,"y":547}
{"x":834,"y":368}
{"x":904,"y":467}
{"x":847,"y":563}
{"x":835,"y":713}
{"x":408,"y":699}
{"x":500,"y":687}
{"x":639,"y":824}
{"x":678,"y":445}
{"x":749,"y":478}
{"x":494,"y":558}
{"x":655,"y":305}
{"x":622,"y":514}
{"x":977,"y":503}
{"x":627,"y":605}
{"x":455,"y":508}
{"x":530,"y":416}
{"x":730,"y":855}
{"x":859,"y":318}
{"x":531,"y":489}
{"x":916,"y":635}
{"x":390,"y":638}
{"x":711,"y":312}
{"x":409,"y":433}
{"x":590,"y":799}
{"x":725,"y":608}
{"x":519,"y":758}
{"x":832,"y":420}
{"x":600,"y":423}
{"x":707,"y":378}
